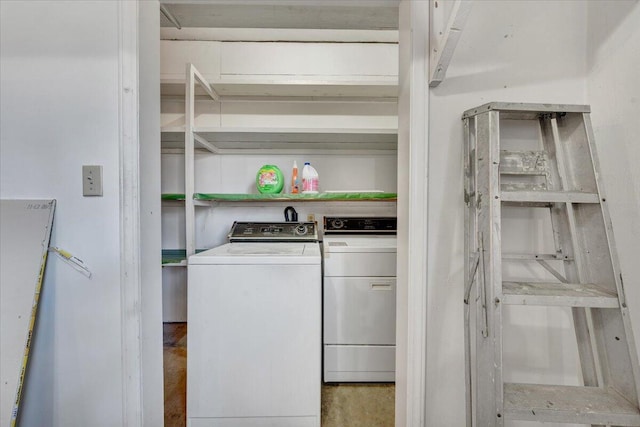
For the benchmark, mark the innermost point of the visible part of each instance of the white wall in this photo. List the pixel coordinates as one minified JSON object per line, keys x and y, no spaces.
{"x":614,"y":95}
{"x":509,"y":51}
{"x":58,"y":111}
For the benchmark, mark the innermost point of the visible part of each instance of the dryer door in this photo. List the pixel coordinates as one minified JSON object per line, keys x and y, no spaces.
{"x":360,"y":310}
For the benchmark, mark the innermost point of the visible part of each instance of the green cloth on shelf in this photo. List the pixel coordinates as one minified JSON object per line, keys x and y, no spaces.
{"x":171,"y":256}
{"x":175,"y":256}
{"x":173,"y":197}
{"x":287,"y":197}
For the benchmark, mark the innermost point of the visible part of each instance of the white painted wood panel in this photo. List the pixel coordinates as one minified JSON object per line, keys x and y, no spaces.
{"x":175,"y":55}
{"x":25,"y":228}
{"x":284,"y":69}
{"x":310,"y":59}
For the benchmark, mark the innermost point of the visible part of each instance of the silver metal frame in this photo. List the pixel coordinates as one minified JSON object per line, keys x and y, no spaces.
{"x":591,"y":283}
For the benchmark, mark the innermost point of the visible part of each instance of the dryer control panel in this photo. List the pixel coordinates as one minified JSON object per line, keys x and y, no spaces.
{"x":359,"y":225}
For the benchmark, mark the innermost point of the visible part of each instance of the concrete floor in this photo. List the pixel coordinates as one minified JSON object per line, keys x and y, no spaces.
{"x":343,"y":405}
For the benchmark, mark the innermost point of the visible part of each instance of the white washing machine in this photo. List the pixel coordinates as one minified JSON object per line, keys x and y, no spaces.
{"x":254,"y":337}
{"x":359,"y":293}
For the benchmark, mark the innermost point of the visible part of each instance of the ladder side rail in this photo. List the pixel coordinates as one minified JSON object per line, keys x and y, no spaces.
{"x":489,"y":411}
{"x":471,"y":247}
{"x":608,"y":227}
{"x":563,"y":219}
{"x":628,"y":384}
{"x":596,"y":264}
{"x":613,"y":336}
{"x":562,"y":185}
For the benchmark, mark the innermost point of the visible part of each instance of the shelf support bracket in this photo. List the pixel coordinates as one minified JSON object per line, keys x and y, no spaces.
{"x":206,"y":144}
{"x":447,"y":21}
{"x":167,"y":14}
{"x":199,"y":78}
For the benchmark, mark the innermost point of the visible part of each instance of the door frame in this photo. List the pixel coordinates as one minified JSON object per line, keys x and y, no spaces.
{"x":413,"y":156}
{"x":412,"y":211}
{"x":130,"y":227}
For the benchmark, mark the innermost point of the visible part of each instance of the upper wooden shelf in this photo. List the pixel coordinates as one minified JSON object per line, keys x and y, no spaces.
{"x":346,"y":15}
{"x":230,"y":140}
{"x":299,"y":88}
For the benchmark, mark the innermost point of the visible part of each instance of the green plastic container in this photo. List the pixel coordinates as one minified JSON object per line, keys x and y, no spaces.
{"x":269,"y":180}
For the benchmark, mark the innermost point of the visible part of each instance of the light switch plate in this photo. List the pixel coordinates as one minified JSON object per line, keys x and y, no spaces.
{"x":92,"y":180}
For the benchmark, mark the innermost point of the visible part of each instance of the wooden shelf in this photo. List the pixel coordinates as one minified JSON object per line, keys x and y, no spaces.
{"x":385,"y":89}
{"x":238,"y":140}
{"x":320,"y":197}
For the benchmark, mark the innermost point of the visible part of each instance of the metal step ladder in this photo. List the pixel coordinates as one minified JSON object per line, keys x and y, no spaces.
{"x":554,"y":175}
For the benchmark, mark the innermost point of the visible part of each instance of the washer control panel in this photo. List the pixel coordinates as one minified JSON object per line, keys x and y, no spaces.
{"x":359,"y":225}
{"x":273,"y":232}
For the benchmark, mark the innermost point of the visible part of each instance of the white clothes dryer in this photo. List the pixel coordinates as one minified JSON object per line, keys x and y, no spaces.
{"x":359,"y":292}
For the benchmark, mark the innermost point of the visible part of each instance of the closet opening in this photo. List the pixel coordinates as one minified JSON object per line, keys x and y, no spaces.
{"x":244,"y":86}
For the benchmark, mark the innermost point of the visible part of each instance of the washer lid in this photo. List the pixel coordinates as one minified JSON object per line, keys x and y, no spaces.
{"x":259,"y":253}
{"x":351,"y":243}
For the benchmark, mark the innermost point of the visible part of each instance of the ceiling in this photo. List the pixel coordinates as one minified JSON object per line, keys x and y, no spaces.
{"x":283,"y":14}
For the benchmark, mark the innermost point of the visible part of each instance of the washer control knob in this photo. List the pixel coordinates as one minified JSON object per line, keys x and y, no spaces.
{"x":301,"y":230}
{"x":337,"y":223}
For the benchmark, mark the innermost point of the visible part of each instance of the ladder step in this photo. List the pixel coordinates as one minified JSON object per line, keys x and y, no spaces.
{"x":558,"y":294}
{"x":568,"y":404}
{"x":549,"y":197}
{"x":524,"y":162}
{"x":536,"y":257}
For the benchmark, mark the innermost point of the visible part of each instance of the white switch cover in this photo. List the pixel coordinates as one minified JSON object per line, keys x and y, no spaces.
{"x":92,"y":180}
